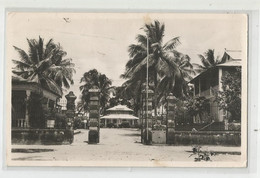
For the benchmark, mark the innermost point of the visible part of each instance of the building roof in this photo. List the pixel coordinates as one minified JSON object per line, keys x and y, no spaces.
{"x":234,"y":62}
{"x":51,"y":86}
{"x":119,"y":108}
{"x":230,"y":59}
{"x":120,"y":116}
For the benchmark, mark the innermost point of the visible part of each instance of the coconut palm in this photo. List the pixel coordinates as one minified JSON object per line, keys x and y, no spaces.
{"x":44,"y":64}
{"x":161,"y":59}
{"x":94,"y":78}
{"x":208,"y":60}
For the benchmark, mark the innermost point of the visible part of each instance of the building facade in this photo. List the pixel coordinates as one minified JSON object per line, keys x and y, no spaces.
{"x":208,"y":83}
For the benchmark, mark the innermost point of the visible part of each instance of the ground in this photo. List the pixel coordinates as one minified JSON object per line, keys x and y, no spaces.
{"x":117,"y":145}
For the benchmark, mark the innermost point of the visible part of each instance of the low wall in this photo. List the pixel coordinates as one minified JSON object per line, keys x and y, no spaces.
{"x":42,"y":136}
{"x":207,"y":138}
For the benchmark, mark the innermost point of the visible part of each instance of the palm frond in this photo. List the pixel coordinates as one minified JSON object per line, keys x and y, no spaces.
{"x":172,"y":44}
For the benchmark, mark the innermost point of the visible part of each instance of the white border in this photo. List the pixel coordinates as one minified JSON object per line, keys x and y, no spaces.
{"x":137,"y":6}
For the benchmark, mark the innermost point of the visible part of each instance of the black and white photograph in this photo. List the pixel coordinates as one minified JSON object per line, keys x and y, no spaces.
{"x":126,"y":89}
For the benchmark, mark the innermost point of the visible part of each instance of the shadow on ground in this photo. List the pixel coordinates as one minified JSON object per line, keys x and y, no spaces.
{"x":20,"y":150}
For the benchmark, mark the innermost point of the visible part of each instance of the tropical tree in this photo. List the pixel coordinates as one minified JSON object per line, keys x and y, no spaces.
{"x":229,"y":98}
{"x":198,"y":107}
{"x":161,"y":61}
{"x":208,"y":60}
{"x":44,"y":64}
{"x":94,"y":78}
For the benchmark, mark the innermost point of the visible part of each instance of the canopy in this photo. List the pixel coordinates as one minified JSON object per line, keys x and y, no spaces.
{"x":120,"y":116}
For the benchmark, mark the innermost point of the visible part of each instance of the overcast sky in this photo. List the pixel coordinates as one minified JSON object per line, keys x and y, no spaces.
{"x":101,"y":40}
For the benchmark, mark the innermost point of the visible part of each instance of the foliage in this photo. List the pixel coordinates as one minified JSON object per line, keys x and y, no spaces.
{"x":198,"y":106}
{"x":229,"y":99}
{"x":182,"y":113}
{"x":94,"y":78}
{"x":201,"y":155}
{"x":124,"y":124}
{"x":60,"y":120}
{"x":208,"y":60}
{"x":119,"y":98}
{"x":44,"y":64}
{"x":168,"y":68}
{"x":77,"y":123}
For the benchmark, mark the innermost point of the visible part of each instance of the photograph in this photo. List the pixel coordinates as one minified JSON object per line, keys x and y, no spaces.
{"x":126,"y":89}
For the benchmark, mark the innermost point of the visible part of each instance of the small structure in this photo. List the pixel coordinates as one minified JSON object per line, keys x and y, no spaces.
{"x":119,"y":114}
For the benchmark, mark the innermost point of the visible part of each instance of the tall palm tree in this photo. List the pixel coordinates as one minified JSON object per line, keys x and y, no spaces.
{"x":177,"y":85}
{"x":94,"y":78}
{"x":161,"y":59}
{"x":208,"y":60}
{"x":44,"y":64}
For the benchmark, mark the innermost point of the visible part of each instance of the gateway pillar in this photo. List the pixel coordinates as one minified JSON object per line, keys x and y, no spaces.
{"x":93,"y":134}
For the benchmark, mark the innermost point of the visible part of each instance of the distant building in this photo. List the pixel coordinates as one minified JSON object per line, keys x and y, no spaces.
{"x":119,"y":114}
{"x":207,"y":83}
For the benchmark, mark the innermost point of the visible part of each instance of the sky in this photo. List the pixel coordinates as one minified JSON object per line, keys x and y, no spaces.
{"x":101,"y":40}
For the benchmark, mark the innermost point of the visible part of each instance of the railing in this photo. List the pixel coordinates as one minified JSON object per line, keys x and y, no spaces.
{"x":21,"y":123}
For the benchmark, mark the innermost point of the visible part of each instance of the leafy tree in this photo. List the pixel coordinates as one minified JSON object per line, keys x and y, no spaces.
{"x":45,"y":64}
{"x":229,"y":99}
{"x":198,"y":106}
{"x":94,"y":78}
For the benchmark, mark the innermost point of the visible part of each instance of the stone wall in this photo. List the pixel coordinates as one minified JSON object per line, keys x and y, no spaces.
{"x":231,"y":138}
{"x":42,"y":136}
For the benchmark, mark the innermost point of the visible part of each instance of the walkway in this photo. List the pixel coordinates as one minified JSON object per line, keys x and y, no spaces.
{"x":116,"y":145}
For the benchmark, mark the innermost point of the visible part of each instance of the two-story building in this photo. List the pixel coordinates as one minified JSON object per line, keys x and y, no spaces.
{"x":207,"y":83}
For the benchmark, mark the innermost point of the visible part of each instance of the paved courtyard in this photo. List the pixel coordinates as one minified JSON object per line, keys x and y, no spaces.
{"x":116,"y":145}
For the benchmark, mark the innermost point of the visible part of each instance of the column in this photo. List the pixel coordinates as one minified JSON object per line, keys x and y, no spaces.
{"x":147,"y":117}
{"x":27,"y":121}
{"x":170,"y":119}
{"x":93,"y":134}
{"x":70,"y":113}
{"x":221,"y":113}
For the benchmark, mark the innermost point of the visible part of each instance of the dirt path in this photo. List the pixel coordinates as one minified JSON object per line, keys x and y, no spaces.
{"x":117,"y":145}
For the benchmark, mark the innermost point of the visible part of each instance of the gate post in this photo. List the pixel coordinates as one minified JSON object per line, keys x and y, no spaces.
{"x":170,"y":119}
{"x":70,"y":113}
{"x":93,"y":134}
{"x":147,"y":117}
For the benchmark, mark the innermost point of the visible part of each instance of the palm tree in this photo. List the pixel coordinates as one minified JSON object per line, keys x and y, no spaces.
{"x":177,"y":85}
{"x":208,"y":60}
{"x":161,"y":59}
{"x":94,"y":78}
{"x":44,"y":64}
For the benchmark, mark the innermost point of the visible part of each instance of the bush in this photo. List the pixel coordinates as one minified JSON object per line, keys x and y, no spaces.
{"x":60,"y":121}
{"x":125,"y":124}
{"x":110,"y":125}
{"x":77,"y":123}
